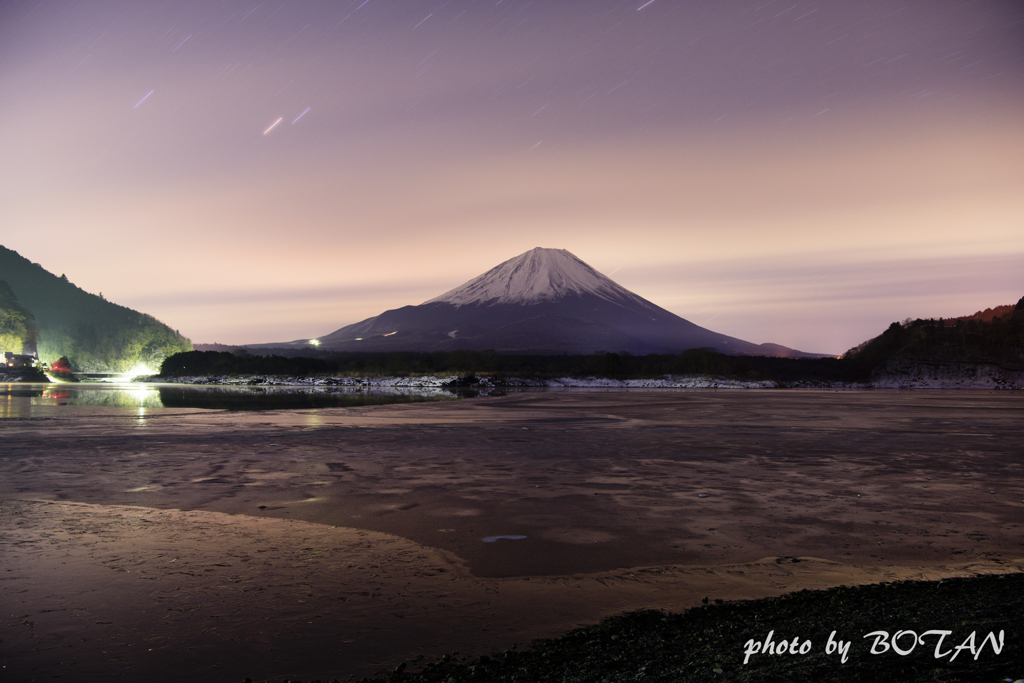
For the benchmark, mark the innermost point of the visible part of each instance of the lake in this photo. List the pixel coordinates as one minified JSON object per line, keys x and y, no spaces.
{"x":43,"y":400}
{"x":166,"y":543}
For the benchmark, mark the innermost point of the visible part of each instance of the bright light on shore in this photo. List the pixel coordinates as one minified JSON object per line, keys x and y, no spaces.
{"x":139,"y":370}
{"x":314,"y":342}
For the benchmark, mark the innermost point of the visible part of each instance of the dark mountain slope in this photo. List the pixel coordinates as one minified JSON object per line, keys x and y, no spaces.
{"x":971,"y":340}
{"x":95,"y":334}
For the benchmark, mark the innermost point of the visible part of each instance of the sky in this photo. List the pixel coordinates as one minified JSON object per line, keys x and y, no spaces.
{"x":798,"y":172}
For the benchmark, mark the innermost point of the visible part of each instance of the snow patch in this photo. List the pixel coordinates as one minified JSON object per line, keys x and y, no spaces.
{"x":535,"y":276}
{"x":670,"y":382}
{"x":429,"y":382}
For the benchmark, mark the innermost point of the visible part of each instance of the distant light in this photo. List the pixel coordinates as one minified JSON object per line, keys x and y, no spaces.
{"x":314,"y":342}
{"x":359,"y":339}
{"x":139,"y":370}
{"x":391,"y":333}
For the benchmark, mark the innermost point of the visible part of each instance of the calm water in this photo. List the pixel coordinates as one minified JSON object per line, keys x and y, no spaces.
{"x":34,"y":400}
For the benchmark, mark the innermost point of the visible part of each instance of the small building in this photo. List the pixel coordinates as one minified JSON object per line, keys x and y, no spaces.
{"x":21,"y":360}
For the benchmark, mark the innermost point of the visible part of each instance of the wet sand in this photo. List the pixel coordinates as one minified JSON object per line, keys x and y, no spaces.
{"x":626,"y":500}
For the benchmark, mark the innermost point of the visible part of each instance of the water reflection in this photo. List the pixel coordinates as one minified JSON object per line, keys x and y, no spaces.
{"x":277,"y":398}
{"x":120,"y":397}
{"x":18,"y":400}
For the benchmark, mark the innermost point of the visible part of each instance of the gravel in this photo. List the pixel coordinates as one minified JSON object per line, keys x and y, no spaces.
{"x":710,"y":643}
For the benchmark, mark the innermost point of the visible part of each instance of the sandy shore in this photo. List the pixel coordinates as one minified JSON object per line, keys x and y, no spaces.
{"x":134,"y":545}
{"x":97,"y":592}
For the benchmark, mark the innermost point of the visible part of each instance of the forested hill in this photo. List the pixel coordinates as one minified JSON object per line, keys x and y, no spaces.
{"x":18,"y":333}
{"x":970,"y":339}
{"x":95,"y":334}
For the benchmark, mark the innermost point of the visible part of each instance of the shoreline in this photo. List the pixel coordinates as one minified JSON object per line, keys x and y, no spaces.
{"x":981,"y":381}
{"x":204,"y":594}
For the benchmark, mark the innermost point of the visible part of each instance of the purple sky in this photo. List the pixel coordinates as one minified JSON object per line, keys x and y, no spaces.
{"x":796,"y":172}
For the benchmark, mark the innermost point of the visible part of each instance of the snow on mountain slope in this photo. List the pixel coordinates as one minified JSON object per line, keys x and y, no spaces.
{"x":535,"y":276}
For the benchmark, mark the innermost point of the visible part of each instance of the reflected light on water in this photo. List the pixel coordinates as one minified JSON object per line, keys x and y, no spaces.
{"x":140,"y":397}
{"x":145,"y":397}
{"x":142,"y":401}
{"x":56,"y":395}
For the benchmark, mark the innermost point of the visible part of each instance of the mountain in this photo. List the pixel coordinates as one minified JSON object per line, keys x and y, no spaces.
{"x":95,"y":334}
{"x":545,"y":301}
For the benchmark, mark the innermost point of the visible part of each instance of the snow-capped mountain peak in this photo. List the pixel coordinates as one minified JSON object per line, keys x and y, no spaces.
{"x":545,"y":301}
{"x":535,"y":276}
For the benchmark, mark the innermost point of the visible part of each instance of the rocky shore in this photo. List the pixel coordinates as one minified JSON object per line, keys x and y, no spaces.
{"x":896,"y":375}
{"x":455,"y":381}
{"x":960,"y":630}
{"x":900,"y":373}
{"x":23,"y":375}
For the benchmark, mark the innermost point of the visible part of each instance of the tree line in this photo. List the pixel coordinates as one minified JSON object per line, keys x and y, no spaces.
{"x":492,"y":364}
